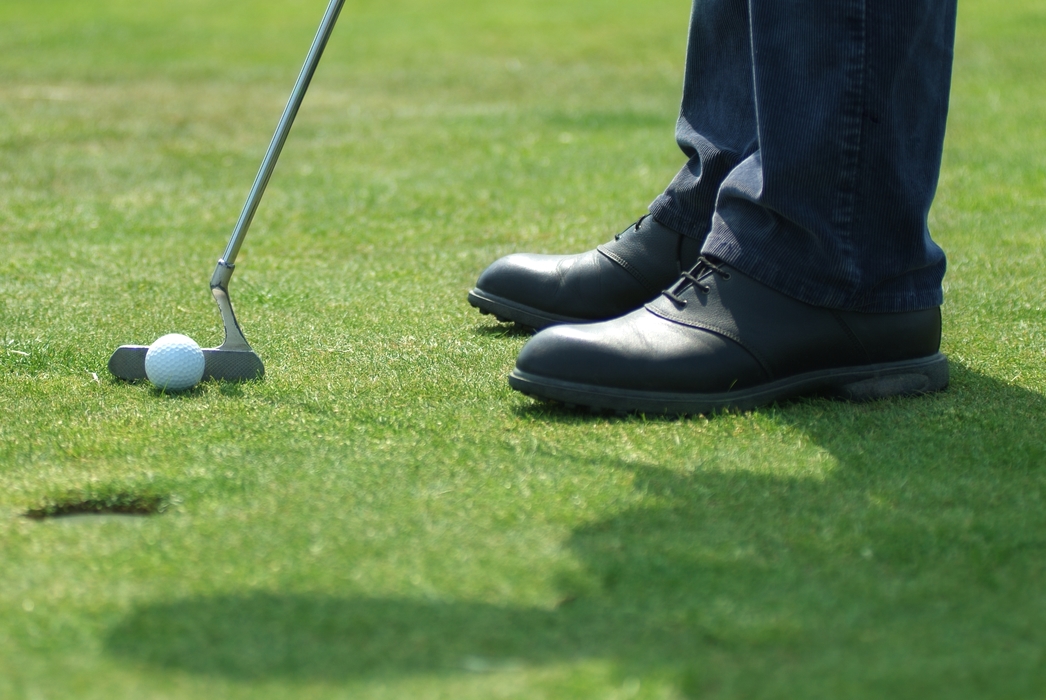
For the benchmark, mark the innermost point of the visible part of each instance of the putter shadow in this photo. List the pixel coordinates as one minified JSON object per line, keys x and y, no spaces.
{"x":722,"y":577}
{"x":231,"y":389}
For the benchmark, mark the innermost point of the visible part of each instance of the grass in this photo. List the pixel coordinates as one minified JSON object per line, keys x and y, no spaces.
{"x":381,"y":517}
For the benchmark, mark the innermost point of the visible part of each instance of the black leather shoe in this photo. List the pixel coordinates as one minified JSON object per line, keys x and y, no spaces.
{"x":718,"y":339}
{"x":542,"y":290}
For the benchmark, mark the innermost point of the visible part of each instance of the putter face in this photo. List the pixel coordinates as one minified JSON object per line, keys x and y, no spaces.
{"x":128,"y":363}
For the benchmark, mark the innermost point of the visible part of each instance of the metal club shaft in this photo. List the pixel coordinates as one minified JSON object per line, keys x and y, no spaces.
{"x":234,"y":360}
{"x":223,"y":272}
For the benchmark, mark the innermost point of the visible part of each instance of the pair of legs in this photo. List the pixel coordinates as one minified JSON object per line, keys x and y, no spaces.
{"x":793,"y":244}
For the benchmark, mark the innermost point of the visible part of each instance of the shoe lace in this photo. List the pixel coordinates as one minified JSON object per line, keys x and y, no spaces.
{"x":631,"y":229}
{"x":693,"y":277}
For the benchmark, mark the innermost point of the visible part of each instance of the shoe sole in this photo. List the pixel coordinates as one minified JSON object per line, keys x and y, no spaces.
{"x":508,"y":311}
{"x":865,"y":383}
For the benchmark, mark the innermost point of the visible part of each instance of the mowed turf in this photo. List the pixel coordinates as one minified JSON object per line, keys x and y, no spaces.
{"x":382,"y":517}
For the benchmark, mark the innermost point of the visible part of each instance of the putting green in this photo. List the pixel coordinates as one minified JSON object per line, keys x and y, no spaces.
{"x":381,"y":517}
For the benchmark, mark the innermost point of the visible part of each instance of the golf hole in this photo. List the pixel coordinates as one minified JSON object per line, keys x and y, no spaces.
{"x":121,"y":504}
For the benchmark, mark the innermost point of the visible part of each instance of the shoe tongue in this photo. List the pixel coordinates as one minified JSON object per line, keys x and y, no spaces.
{"x":689,"y":252}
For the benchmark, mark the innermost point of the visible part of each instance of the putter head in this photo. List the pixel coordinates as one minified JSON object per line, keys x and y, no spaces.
{"x":128,"y":363}
{"x":232,"y":361}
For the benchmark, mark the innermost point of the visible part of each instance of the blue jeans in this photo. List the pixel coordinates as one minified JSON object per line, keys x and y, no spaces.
{"x":814,"y":131}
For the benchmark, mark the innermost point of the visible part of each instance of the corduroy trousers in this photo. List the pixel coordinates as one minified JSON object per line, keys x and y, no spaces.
{"x":814,"y":131}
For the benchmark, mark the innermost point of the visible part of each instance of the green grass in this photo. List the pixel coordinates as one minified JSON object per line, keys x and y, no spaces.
{"x":382,"y":517}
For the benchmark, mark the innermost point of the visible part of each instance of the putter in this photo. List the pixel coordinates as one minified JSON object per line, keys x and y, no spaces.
{"x":235,"y":360}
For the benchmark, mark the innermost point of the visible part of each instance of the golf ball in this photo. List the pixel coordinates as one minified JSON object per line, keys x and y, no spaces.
{"x":174,"y":363}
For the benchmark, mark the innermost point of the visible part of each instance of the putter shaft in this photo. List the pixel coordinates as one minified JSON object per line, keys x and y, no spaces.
{"x":234,"y":338}
{"x":261,"y":180}
{"x":234,"y":360}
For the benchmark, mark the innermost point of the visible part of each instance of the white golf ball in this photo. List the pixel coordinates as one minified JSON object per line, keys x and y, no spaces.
{"x":174,"y":362}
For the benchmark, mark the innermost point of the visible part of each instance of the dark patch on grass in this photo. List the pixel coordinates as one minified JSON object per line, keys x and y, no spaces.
{"x":117,"y":503}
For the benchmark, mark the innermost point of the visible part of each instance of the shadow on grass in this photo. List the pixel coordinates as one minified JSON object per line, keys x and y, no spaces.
{"x":882,"y":575}
{"x":505,"y":330}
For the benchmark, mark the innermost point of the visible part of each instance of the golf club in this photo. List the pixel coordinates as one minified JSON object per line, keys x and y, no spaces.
{"x":234,"y":359}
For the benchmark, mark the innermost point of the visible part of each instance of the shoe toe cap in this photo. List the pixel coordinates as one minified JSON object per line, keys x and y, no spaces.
{"x":521,"y":275}
{"x":585,"y":286}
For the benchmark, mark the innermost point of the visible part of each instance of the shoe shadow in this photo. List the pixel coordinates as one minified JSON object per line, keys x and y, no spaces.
{"x":553,"y":412}
{"x":861,"y":567}
{"x":504,"y":330}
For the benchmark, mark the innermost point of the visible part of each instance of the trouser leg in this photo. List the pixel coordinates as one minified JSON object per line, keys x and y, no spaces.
{"x":716,"y":128}
{"x":818,"y":181}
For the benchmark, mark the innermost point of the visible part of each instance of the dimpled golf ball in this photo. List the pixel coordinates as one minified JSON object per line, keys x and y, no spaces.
{"x":174,"y":363}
